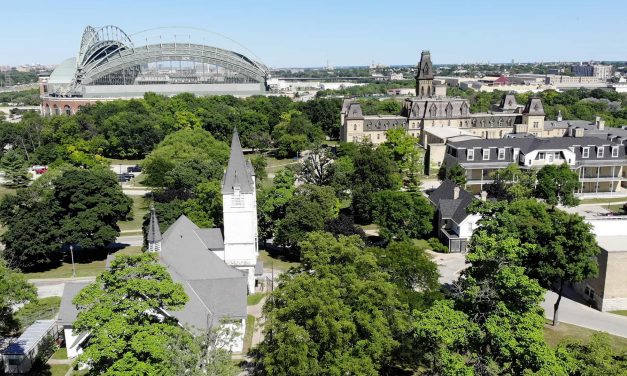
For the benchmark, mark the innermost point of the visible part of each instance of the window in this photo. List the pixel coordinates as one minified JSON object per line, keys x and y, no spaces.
{"x":486,"y":154}
{"x":470,"y":155}
{"x":585,"y":152}
{"x":501,"y":154}
{"x":589,"y":292}
{"x":614,"y":151}
{"x":536,"y":124}
{"x":354,"y":127}
{"x":600,"y":151}
{"x":541,"y":156}
{"x":237,"y":202}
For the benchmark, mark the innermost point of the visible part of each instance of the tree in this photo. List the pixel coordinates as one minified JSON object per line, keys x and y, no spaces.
{"x":317,"y":167}
{"x":272,"y":201}
{"x":180,"y":147}
{"x":295,"y":133}
{"x":14,"y":289}
{"x":16,"y":171}
{"x":324,"y":113}
{"x":306,"y":211}
{"x":403,"y":149}
{"x":336,"y":314}
{"x":341,"y":171}
{"x":374,"y":171}
{"x":402,"y":215}
{"x":125,"y":312}
{"x":512,"y":183}
{"x":259,"y":163}
{"x":596,"y":357}
{"x":557,"y":185}
{"x":91,"y":203}
{"x":343,"y":225}
{"x":455,"y":173}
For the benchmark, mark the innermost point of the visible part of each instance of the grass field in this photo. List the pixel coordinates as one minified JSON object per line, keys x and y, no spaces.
{"x":622,"y":313}
{"x":603,"y":200}
{"x":61,"y":354}
{"x":276,"y":261}
{"x":92,"y":266}
{"x":40,"y":309}
{"x":554,"y":335}
{"x":248,"y":336}
{"x":254,"y":299}
{"x":59,"y":369}
{"x":616,"y":208}
{"x":141,"y":206}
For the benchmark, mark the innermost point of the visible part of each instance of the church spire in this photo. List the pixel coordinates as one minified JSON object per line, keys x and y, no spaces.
{"x":237,"y":172}
{"x":154,"y":233}
{"x":424,"y":76}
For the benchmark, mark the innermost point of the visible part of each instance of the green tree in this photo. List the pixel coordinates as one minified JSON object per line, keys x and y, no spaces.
{"x":341,"y":171}
{"x":337,"y":314}
{"x":512,"y":183}
{"x":596,"y":357}
{"x":307,"y":211}
{"x":295,"y":133}
{"x":455,"y":173}
{"x":557,"y":185}
{"x":91,"y":203}
{"x":180,"y":147}
{"x":404,"y":150}
{"x":324,"y":113}
{"x":123,"y":310}
{"x":14,"y":289}
{"x":260,"y":163}
{"x":272,"y":201}
{"x":317,"y":167}
{"x":374,"y":171}
{"x":16,"y":171}
{"x":402,"y":215}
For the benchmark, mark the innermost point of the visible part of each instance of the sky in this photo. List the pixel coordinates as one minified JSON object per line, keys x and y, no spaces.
{"x":310,"y":33}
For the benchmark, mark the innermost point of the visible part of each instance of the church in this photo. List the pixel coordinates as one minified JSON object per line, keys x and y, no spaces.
{"x":216,"y":271}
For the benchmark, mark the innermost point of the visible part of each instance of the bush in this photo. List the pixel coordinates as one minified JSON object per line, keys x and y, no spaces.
{"x":437,"y":246}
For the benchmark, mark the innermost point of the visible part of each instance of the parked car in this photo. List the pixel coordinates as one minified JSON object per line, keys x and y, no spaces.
{"x":135,"y":168}
{"x":124,"y":178}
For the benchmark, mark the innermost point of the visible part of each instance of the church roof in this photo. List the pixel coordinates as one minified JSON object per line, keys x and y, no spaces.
{"x":238,"y":172}
{"x":154,"y":233}
{"x":68,"y":311}
{"x":534,"y":107}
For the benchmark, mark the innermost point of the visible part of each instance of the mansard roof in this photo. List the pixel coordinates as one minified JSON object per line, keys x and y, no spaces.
{"x":508,"y":102}
{"x":354,"y":111}
{"x":534,"y":107}
{"x":239,"y":173}
{"x":420,"y":108}
{"x":425,"y":67}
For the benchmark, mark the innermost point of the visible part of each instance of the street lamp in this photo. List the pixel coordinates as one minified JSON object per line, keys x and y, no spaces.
{"x":73,"y":267}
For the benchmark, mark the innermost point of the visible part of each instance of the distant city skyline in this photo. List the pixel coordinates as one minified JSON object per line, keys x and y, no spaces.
{"x":348,"y":33}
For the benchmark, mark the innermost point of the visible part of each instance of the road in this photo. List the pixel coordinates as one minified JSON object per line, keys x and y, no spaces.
{"x":133,"y":240}
{"x":450,"y":266}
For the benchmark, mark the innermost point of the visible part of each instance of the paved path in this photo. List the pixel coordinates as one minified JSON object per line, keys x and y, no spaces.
{"x":54,"y":286}
{"x":450,"y":266}
{"x":257,"y":312}
{"x":578,"y":314}
{"x":135,"y":240}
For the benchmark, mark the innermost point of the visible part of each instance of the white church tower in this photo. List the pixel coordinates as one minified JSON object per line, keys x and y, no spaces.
{"x":239,"y":204}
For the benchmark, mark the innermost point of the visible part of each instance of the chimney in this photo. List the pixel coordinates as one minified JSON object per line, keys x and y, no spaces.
{"x":484,"y":195}
{"x":599,"y":123}
{"x":559,"y":115}
{"x":455,"y":193}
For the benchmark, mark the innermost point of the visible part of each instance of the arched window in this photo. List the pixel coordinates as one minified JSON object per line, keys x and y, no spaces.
{"x":422,"y":91}
{"x":500,"y":122}
{"x":433,"y":90}
{"x":55,"y":108}
{"x":67,"y":110}
{"x":47,"y":110}
{"x":354,"y":127}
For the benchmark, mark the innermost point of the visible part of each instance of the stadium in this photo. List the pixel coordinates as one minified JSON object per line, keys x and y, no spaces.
{"x":111,"y":64}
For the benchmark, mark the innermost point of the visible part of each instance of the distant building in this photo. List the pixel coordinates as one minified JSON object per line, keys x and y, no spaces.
{"x":600,"y":164}
{"x":603,"y":72}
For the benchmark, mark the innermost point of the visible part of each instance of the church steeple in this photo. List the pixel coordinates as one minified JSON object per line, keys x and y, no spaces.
{"x":424,"y":76}
{"x":238,"y":172}
{"x":154,"y":233}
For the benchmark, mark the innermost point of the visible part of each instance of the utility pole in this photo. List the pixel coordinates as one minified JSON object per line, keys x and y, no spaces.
{"x":73,"y":266}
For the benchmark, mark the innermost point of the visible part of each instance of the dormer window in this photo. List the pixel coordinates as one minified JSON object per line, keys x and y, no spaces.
{"x":470,"y":155}
{"x":486,"y":154}
{"x":585,"y":153}
{"x":614,"y":151}
{"x":501,"y":154}
{"x":600,"y":151}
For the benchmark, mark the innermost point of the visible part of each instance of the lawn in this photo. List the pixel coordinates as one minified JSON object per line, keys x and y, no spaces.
{"x":603,"y":200}
{"x":248,"y":336}
{"x":141,"y":206}
{"x":61,"y":354}
{"x":59,"y":369}
{"x":6,"y":191}
{"x":554,"y":335}
{"x":40,"y":309}
{"x":88,"y":265}
{"x":622,"y":313}
{"x":276,"y":261}
{"x":422,"y":244}
{"x":254,"y":299}
{"x":616,"y":208}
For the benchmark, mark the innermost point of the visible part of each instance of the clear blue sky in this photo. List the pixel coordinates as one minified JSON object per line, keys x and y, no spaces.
{"x":347,"y":32}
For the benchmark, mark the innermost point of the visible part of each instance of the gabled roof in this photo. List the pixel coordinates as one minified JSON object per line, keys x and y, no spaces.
{"x":534,"y":107}
{"x":238,"y":172}
{"x":455,"y":209}
{"x":68,"y":311}
{"x":215,"y":289}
